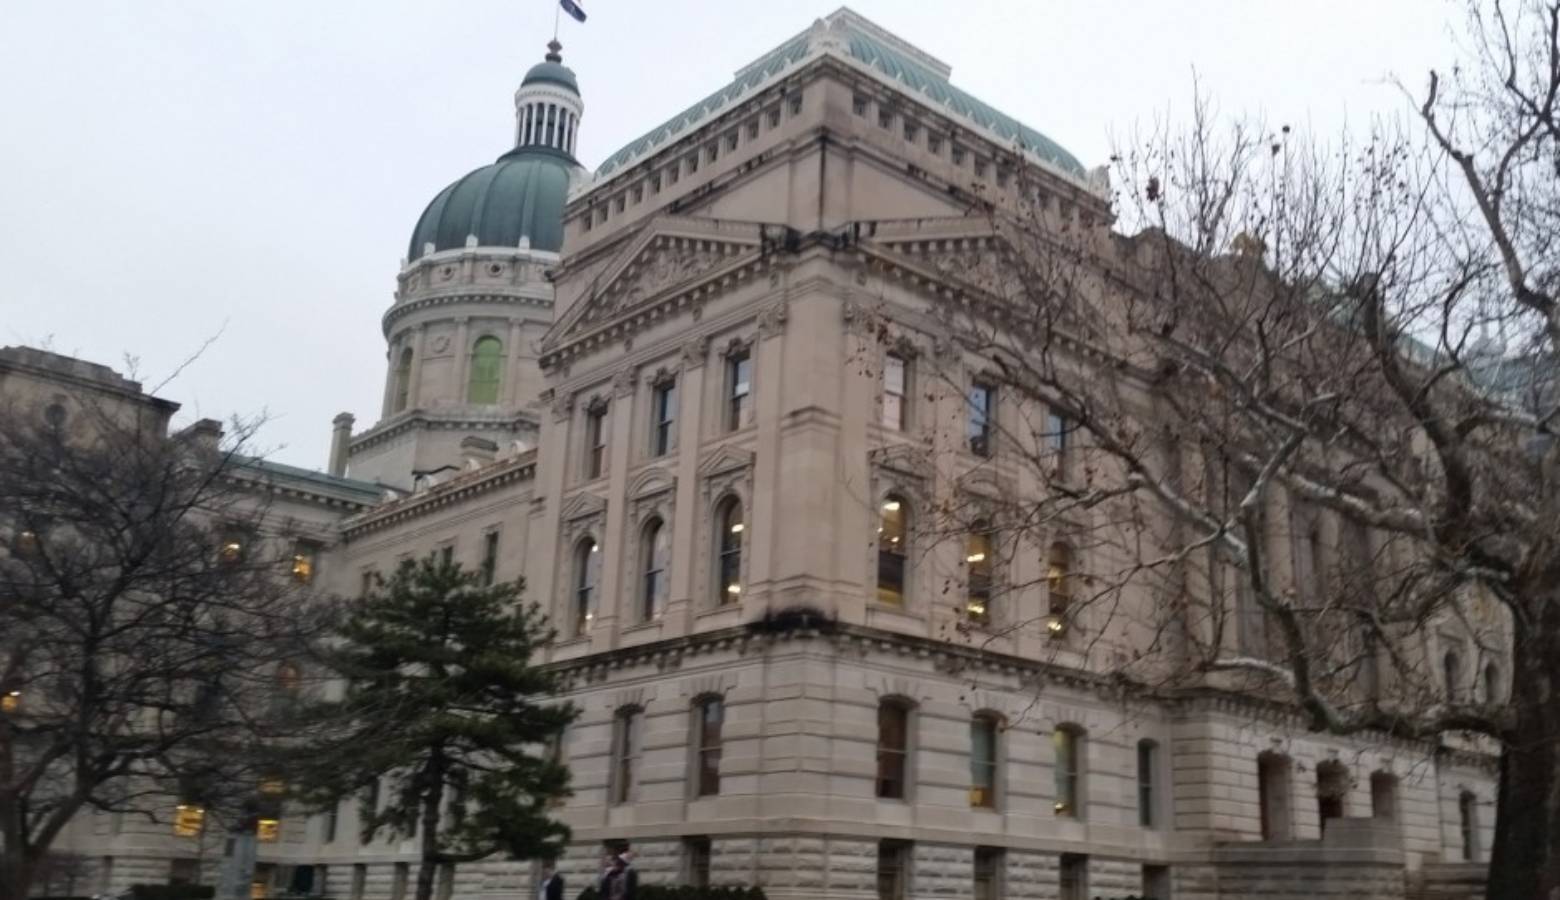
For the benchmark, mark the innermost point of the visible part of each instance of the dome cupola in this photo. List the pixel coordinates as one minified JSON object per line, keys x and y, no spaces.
{"x":518,"y":200}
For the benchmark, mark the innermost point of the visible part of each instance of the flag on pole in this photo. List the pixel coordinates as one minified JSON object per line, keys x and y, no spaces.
{"x":572,"y":7}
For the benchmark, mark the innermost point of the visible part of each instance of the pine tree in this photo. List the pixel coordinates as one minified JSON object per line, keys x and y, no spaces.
{"x":444,"y":706}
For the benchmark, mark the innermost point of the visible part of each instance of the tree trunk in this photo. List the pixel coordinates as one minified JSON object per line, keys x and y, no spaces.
{"x":433,"y":798}
{"x":16,"y":875}
{"x":1525,"y":860}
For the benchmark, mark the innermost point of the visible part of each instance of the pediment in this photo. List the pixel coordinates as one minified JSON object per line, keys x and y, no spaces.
{"x":958,"y":253}
{"x":985,"y":483}
{"x":724,"y":459}
{"x":581,"y":506}
{"x":672,"y":256}
{"x":650,"y":482}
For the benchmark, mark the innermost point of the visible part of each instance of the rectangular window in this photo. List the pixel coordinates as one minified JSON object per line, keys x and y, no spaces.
{"x":268,"y":831}
{"x":1156,"y":883}
{"x":894,"y":392}
{"x":183,"y":871}
{"x":332,"y":820}
{"x":979,"y":562}
{"x":893,"y":869}
{"x":988,"y":873}
{"x":752,"y":130}
{"x":712,"y":715}
{"x":983,"y":762}
{"x":398,"y":883}
{"x":447,"y":554}
{"x":739,"y":389}
{"x":663,"y":412}
{"x":982,"y":402}
{"x":595,"y":442}
{"x":1057,"y":437}
{"x":1074,"y":877}
{"x":367,"y":587}
{"x":1065,"y":742}
{"x":489,"y":556}
{"x":731,"y":140}
{"x":774,"y":117}
{"x":188,"y":820}
{"x":370,"y":806}
{"x":359,"y":881}
{"x":304,"y":561}
{"x":697,"y":852}
{"x":933,"y":143}
{"x":893,"y":750}
{"x":1146,"y":760}
{"x":625,"y":752}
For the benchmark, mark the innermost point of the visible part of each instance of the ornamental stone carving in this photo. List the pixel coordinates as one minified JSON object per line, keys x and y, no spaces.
{"x":624,"y":382}
{"x":695,"y":352}
{"x":663,"y":267}
{"x":562,"y":407}
{"x":771,"y":321}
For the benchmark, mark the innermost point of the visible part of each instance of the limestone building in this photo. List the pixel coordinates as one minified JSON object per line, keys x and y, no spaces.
{"x":649,"y":390}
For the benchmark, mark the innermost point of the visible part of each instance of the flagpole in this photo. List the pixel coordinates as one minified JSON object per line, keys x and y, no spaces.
{"x":557,"y":8}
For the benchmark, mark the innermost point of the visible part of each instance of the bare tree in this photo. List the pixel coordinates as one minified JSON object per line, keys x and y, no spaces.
{"x":1303,"y":419}
{"x":144,"y":606}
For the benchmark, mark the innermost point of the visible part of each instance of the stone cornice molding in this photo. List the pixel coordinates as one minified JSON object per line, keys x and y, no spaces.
{"x":415,"y":419}
{"x":285,"y":489}
{"x":505,"y":472}
{"x":405,"y":308}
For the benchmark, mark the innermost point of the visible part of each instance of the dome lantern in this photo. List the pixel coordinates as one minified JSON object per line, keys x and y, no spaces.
{"x":548,"y":105}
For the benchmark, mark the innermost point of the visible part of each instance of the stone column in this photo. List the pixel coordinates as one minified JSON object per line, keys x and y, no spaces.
{"x":611,"y":602}
{"x":462,"y":351}
{"x":419,"y":347}
{"x":508,"y":386}
{"x":688,"y":518}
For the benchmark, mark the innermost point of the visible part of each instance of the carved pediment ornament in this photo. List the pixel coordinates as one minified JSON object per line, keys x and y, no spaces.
{"x":695,"y":352}
{"x":623,"y":382}
{"x":596,"y":405}
{"x":562,"y":407}
{"x":771,"y":321}
{"x":667,"y":264}
{"x":582,"y":506}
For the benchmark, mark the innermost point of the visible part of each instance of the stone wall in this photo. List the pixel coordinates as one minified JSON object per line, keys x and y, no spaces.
{"x":1358,"y":859}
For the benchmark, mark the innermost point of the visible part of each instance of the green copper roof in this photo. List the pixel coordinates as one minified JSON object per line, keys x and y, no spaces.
{"x":553,"y":72}
{"x":866,"y":44}
{"x":521,"y":194}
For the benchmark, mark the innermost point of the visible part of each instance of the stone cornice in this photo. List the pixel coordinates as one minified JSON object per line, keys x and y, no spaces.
{"x":287,"y":489}
{"x":414,"y":419}
{"x":503,"y":473}
{"x":450,"y":298}
{"x":956,"y":660}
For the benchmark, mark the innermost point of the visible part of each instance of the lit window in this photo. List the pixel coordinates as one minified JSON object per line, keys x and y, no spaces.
{"x":982,"y":402}
{"x":1066,"y":741}
{"x":894,"y":392}
{"x":403,"y":379}
{"x":487,"y":370}
{"x":983,"y":762}
{"x":1058,"y":583}
{"x":305,"y":557}
{"x":625,"y":752}
{"x":893,"y":548}
{"x":268,"y":830}
{"x":893,"y":749}
{"x":232,"y":549}
{"x":595,"y":441}
{"x":26,"y":542}
{"x":711,"y":714}
{"x":587,"y":567}
{"x":739,"y":389}
{"x":728,"y":582}
{"x":188,"y":820}
{"x":11,"y":701}
{"x":656,"y":550}
{"x":979,"y":564}
{"x":1147,"y":758}
{"x":663,"y":409}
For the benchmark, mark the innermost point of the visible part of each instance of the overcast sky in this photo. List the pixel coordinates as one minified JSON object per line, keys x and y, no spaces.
{"x":172,"y":172}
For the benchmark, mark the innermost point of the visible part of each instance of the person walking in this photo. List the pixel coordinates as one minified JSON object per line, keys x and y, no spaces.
{"x":552,"y":883}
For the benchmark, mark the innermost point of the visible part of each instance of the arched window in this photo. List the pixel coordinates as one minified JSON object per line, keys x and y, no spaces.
{"x":403,"y":380}
{"x":1468,"y":822}
{"x":979,"y":550}
{"x":487,"y":370}
{"x":893,"y":749}
{"x":1493,"y":692}
{"x":1067,"y":740}
{"x":728,"y":579}
{"x":983,"y":761}
{"x":1451,"y":666}
{"x":1147,"y":763}
{"x":654,"y":552}
{"x":1383,"y":796}
{"x":1332,"y":790}
{"x":587,"y":567}
{"x":626,"y":726}
{"x":892,"y":540}
{"x":1273,"y":795}
{"x":710,"y":715}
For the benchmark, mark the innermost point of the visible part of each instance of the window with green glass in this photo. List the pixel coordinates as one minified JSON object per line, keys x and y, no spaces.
{"x":487,"y":369}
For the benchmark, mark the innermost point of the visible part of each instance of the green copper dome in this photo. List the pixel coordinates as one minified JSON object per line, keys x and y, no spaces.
{"x":552,"y":72}
{"x":522,"y":194}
